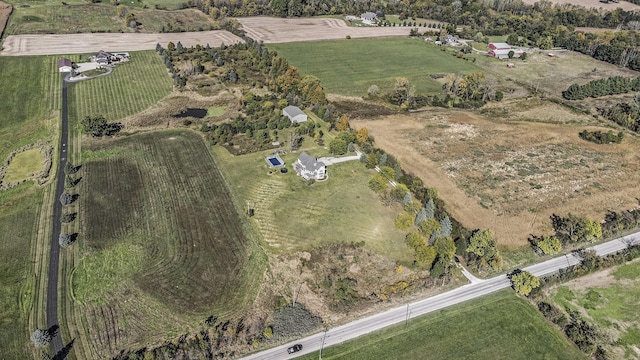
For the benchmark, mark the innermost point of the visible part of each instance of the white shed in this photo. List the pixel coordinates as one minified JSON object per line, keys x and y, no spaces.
{"x":294,"y":114}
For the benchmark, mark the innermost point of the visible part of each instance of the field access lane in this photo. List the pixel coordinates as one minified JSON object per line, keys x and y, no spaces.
{"x":401,"y":314}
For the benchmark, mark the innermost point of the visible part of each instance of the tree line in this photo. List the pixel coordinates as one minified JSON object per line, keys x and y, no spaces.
{"x":601,"y":87}
{"x":599,"y":137}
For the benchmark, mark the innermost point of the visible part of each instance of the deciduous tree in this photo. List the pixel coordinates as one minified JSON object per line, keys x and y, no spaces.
{"x":523,"y":282}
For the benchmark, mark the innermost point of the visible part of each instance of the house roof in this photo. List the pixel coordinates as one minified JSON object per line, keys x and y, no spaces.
{"x":64,"y":62}
{"x":310,"y":162}
{"x":292,"y":111}
{"x":368,"y":15}
{"x":500,"y":45}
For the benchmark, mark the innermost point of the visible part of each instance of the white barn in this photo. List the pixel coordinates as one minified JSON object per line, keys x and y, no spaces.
{"x":308,"y":167}
{"x":294,"y":114}
{"x":65,"y":65}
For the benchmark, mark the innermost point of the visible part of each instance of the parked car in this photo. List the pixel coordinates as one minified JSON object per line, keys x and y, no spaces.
{"x":294,"y":349}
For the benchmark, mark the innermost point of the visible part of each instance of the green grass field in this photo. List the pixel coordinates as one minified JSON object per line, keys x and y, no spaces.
{"x":129,"y":89}
{"x":497,"y":326}
{"x":613,"y":307}
{"x":30,"y":94}
{"x":23,"y":164}
{"x":161,"y":247}
{"x":293,"y":216}
{"x":19,"y":209}
{"x":49,"y":17}
{"x":350,"y":67}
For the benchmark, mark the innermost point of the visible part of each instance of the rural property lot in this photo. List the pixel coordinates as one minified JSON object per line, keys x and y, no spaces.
{"x":277,"y":30}
{"x":510,"y":175}
{"x":592,"y":4}
{"x":20,"y":45}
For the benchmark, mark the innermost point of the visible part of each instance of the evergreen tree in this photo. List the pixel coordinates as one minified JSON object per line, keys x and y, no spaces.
{"x":407,"y":198}
{"x":421,"y":216}
{"x":383,"y":160}
{"x":445,"y":226}
{"x":430,"y":209}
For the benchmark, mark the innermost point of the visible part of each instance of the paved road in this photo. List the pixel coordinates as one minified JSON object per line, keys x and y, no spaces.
{"x":401,"y":314}
{"x":54,"y":254}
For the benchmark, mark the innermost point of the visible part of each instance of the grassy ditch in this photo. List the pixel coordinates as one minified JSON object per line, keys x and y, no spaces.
{"x":497,"y":326}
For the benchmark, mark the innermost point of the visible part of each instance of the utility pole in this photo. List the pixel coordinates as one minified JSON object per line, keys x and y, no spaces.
{"x":406,"y":322}
{"x":322,"y":346}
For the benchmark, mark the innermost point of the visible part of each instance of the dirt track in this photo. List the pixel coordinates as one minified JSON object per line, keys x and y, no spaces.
{"x":20,"y":45}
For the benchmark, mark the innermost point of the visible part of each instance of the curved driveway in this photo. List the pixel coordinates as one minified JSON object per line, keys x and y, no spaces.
{"x":401,"y":314}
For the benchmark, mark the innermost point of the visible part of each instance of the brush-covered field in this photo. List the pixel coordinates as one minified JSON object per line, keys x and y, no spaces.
{"x":161,"y":246}
{"x":498,"y":326}
{"x":351,"y":67}
{"x":609,"y":300}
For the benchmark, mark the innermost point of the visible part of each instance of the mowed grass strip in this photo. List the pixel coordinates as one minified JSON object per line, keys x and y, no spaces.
{"x":349,"y":67}
{"x":159,"y":207}
{"x":28,"y":87}
{"x":292,"y":216}
{"x":19,"y":208}
{"x":497,"y":326}
{"x":129,"y":89}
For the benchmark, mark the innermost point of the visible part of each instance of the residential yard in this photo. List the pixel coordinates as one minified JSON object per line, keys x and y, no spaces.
{"x":350,"y":67}
{"x":510,"y":173}
{"x":293,"y":216}
{"x":608,"y":299}
{"x":161,"y":246}
{"x":497,"y":326}
{"x":132,"y":87}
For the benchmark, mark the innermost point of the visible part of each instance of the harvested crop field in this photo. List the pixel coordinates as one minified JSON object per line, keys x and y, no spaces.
{"x":20,"y":45}
{"x":161,"y":245}
{"x":510,"y":175}
{"x":278,"y":30}
{"x":591,"y":4}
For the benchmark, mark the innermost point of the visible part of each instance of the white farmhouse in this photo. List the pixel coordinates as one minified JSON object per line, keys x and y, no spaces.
{"x":308,"y":167}
{"x":368,"y":17}
{"x":294,"y":114}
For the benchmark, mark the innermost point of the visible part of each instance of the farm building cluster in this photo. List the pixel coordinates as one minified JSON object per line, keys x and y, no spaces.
{"x":502,"y":50}
{"x":106,"y":58}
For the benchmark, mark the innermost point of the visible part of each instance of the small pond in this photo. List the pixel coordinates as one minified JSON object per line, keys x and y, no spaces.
{"x":192,"y":112}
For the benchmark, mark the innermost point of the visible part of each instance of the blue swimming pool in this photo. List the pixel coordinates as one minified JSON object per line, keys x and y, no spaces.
{"x":275,"y":161}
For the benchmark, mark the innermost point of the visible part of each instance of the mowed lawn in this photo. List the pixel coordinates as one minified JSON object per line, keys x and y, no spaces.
{"x":161,"y":247}
{"x":131,"y":87}
{"x":497,"y":326}
{"x":293,"y":216}
{"x":30,"y":93}
{"x":349,"y":67}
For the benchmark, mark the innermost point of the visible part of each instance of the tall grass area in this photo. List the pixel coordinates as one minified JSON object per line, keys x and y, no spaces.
{"x":349,"y":67}
{"x":30,"y":92}
{"x":19,"y":208}
{"x":497,"y":326}
{"x":129,"y":89}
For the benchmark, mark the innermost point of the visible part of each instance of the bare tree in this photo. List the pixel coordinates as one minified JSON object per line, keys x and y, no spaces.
{"x":40,"y":337}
